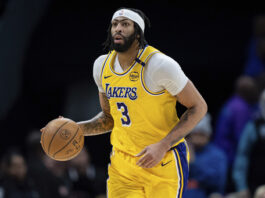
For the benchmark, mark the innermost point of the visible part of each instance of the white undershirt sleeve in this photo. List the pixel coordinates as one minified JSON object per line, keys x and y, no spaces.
{"x":166,"y":73}
{"x":97,"y":71}
{"x":162,"y":72}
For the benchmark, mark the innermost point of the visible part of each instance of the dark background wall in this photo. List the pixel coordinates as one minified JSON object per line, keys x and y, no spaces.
{"x":47,"y":51}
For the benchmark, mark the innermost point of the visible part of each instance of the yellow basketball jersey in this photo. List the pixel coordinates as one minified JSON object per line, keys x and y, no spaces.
{"x":141,"y":117}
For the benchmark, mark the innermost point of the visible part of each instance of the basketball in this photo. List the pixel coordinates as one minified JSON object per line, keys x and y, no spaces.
{"x":62,"y":139}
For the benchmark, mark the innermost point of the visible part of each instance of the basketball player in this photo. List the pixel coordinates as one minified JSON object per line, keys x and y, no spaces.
{"x":138,"y":90}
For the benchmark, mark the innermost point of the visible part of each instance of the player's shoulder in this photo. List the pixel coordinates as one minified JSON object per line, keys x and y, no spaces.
{"x":162,"y":60}
{"x":100,"y":59}
{"x":162,"y":57}
{"x":98,"y":63}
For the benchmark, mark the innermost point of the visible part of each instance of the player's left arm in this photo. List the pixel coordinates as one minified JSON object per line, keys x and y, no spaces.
{"x":196,"y":109}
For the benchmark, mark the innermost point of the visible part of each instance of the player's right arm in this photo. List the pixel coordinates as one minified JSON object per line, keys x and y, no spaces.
{"x":102,"y":122}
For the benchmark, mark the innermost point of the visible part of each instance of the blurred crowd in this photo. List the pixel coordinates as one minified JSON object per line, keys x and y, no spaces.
{"x":32,"y":174}
{"x":227,"y":159}
{"x":227,"y":154}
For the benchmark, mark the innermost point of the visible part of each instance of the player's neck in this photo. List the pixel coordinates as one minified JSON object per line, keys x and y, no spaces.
{"x":126,"y":58}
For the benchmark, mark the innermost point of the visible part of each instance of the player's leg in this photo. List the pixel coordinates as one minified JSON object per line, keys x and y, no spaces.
{"x":172,"y":174}
{"x":115,"y":189}
{"x":163,"y":189}
{"x":123,"y":181}
{"x":181,"y":154}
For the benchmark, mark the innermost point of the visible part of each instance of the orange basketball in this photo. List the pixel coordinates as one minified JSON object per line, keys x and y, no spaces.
{"x":62,"y":139}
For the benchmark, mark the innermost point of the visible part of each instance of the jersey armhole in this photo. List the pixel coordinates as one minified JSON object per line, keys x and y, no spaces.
{"x":103,"y":67}
{"x":142,"y":77}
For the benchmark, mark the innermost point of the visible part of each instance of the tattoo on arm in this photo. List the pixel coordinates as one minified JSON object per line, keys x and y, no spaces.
{"x":183,"y":122}
{"x":101,"y":123}
{"x":196,"y":109}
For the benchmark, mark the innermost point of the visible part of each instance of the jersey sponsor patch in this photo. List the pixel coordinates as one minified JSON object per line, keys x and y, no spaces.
{"x":121,"y":92}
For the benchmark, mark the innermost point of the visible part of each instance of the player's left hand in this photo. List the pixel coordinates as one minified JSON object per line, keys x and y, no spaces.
{"x":151,"y":155}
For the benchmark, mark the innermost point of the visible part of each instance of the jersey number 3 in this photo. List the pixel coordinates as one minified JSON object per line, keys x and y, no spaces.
{"x":125,"y":120}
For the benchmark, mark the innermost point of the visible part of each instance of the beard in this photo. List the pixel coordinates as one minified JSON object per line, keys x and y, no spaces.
{"x":128,"y":41}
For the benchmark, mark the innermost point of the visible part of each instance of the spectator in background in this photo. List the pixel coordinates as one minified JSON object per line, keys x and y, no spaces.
{"x":208,"y":164}
{"x":87,"y":181}
{"x":58,"y":170}
{"x":16,"y":183}
{"x":261,"y":82}
{"x":255,"y":64}
{"x":249,"y":167}
{"x":234,"y":114}
{"x":45,"y":181}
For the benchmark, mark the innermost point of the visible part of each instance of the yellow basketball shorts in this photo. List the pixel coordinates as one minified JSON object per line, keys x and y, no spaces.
{"x":168,"y":179}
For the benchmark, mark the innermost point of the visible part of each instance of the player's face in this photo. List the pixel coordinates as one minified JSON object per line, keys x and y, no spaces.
{"x":198,"y":139}
{"x":18,"y":168}
{"x":123,"y":35}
